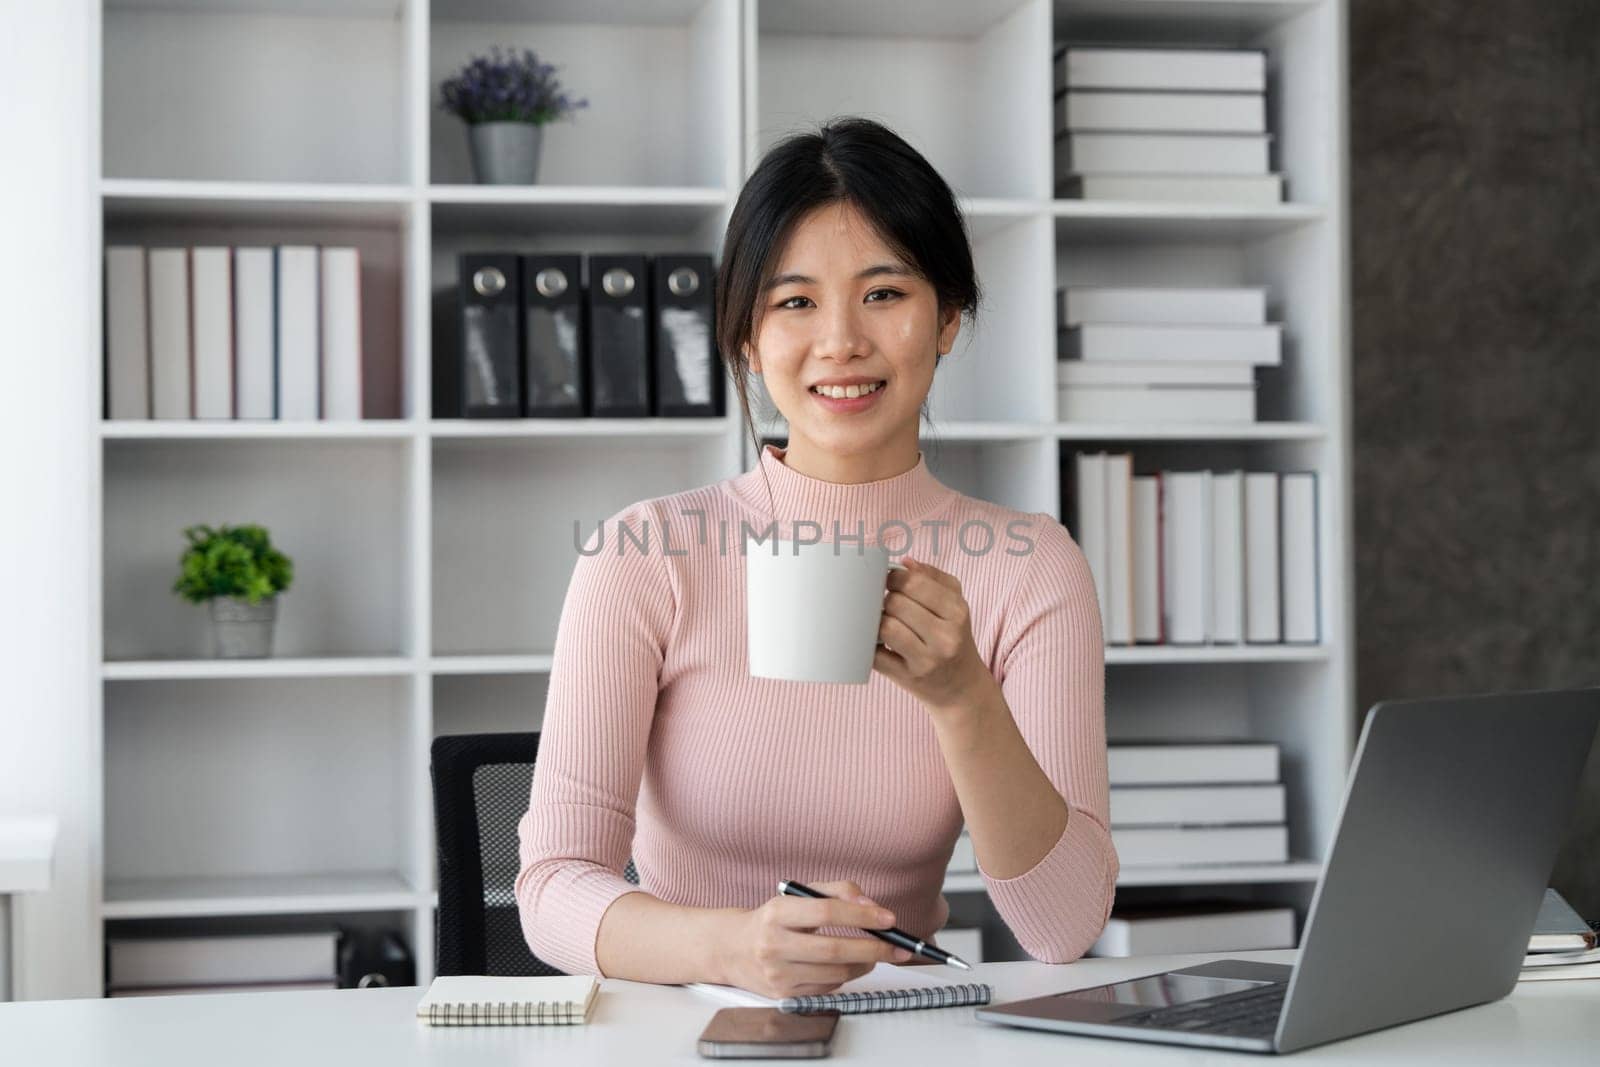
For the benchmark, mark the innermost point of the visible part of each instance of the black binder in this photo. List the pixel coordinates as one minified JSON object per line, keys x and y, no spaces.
{"x":491,"y":364}
{"x":619,"y":335}
{"x":553,"y":336}
{"x":688,"y":379}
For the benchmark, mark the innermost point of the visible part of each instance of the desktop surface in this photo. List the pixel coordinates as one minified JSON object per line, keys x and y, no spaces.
{"x":633,"y":1023}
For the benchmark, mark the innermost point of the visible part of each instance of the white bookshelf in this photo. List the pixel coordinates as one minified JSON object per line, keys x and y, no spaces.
{"x":432,"y":553}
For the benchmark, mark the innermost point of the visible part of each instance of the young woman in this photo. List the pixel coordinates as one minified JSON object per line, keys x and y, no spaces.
{"x":845,"y":273}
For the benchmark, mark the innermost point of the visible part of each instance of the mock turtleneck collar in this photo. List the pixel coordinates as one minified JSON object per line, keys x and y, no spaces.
{"x":909,"y":496}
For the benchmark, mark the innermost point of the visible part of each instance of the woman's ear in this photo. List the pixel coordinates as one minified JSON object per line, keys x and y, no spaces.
{"x":949,"y":326}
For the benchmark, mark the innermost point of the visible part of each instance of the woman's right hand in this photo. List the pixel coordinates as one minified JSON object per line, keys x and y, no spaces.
{"x":775,"y":950}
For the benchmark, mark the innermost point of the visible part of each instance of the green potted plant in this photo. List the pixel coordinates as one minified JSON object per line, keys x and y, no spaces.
{"x":239,"y":574}
{"x":506,"y":100}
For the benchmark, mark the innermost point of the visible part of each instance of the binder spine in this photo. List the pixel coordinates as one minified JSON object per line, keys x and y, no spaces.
{"x":619,"y":336}
{"x":490,"y":360}
{"x":688,"y":373}
{"x":553,"y":365}
{"x":947,"y":996}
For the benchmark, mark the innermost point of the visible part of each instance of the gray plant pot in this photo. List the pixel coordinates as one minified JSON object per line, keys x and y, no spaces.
{"x":506,"y":153}
{"x":243,"y":630}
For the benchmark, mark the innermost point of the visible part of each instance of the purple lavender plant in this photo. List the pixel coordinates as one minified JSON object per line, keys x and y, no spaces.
{"x":507,"y":87}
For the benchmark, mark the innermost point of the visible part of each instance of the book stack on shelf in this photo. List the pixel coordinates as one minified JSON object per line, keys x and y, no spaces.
{"x":233,"y":333}
{"x":1198,"y":926}
{"x":1175,"y":804}
{"x":1163,"y":124}
{"x":140,"y":966}
{"x":1153,"y":355}
{"x":537,"y":340}
{"x":1199,"y":557}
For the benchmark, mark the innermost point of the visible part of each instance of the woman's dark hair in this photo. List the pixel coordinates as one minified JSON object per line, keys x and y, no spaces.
{"x":852,"y":160}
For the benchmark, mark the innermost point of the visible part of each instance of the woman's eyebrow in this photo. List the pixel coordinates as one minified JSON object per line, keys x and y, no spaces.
{"x":805,"y":279}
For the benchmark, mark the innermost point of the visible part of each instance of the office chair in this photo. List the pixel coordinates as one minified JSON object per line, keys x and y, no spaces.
{"x":481,"y":784}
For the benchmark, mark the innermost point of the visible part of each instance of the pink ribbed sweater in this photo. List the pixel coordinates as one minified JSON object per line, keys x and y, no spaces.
{"x":658,"y":743}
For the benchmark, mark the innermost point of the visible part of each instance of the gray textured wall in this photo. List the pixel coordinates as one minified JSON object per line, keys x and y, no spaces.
{"x":1475,"y":197}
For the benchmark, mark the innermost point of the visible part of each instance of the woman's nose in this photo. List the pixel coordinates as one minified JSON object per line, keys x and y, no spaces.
{"x":841,"y":334}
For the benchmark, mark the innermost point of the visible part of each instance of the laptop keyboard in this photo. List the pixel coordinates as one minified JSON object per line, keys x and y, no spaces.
{"x":1248,"y":1013}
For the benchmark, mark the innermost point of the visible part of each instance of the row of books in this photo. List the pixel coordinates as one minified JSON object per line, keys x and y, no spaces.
{"x":1198,"y":557}
{"x":1163,"y":124}
{"x":1155,"y":354}
{"x":1185,"y":804}
{"x":568,"y":335}
{"x":233,"y":333}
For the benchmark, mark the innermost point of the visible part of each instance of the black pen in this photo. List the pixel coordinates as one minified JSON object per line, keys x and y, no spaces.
{"x":894,"y":935}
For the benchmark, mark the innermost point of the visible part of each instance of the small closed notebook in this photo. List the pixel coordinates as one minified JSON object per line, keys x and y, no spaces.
{"x":475,"y":1000}
{"x":886,"y":987}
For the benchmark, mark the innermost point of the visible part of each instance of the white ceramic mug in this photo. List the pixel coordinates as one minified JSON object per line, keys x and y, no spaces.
{"x":812,"y":610}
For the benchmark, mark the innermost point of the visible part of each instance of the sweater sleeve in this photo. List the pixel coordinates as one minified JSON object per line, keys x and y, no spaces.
{"x":1051,"y":661}
{"x":577,"y":835}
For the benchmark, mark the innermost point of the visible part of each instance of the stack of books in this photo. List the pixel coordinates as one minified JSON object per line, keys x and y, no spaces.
{"x":1179,"y":804}
{"x":1563,"y":945}
{"x":156,"y":965}
{"x":1199,"y":557}
{"x":1162,"y":354}
{"x":1209,"y":926}
{"x":1163,"y":124}
{"x":233,"y":333}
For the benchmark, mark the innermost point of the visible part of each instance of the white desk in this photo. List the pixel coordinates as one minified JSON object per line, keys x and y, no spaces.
{"x":633,"y":1024}
{"x":27,"y":851}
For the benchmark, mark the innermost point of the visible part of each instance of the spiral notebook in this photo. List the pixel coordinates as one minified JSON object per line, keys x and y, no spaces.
{"x":886,"y":987}
{"x":474,"y":1000}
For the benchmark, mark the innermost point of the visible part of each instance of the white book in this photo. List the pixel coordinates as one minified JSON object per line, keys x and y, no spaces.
{"x":1119,"y":548}
{"x":1250,"y":190}
{"x":1092,"y":527}
{"x":141,"y":962}
{"x":1262,"y":608}
{"x":127,"y":334}
{"x":1220,"y":763}
{"x":1227,"y":557}
{"x":1169,"y":306}
{"x":1260,"y":345}
{"x":1208,"y":927}
{"x":211,"y":293}
{"x":1299,"y":547}
{"x":1162,"y":153}
{"x":1120,"y":372}
{"x":1186,"y":556}
{"x":1155,"y":403}
{"x":299,"y":358}
{"x":1164,"y":846}
{"x":1162,"y":112}
{"x":341,"y":334}
{"x":1147,"y":559}
{"x":1197,"y":805}
{"x":1213,"y":70}
{"x":171,"y":357}
{"x":963,"y":860}
{"x":255,"y":333}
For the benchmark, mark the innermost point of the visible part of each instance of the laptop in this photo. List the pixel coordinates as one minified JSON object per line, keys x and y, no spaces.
{"x":1452,"y":815}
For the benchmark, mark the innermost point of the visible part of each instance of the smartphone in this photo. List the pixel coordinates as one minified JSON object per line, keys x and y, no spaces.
{"x":767,"y":1033}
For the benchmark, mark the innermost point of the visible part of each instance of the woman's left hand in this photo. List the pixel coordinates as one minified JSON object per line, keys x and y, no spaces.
{"x":928,"y":630}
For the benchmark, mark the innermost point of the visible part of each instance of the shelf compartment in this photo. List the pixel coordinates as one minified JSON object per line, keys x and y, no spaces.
{"x":662,"y":83}
{"x":272,"y":667}
{"x":338,"y":508}
{"x":488,"y":703}
{"x":156,"y":898}
{"x":289,"y":94}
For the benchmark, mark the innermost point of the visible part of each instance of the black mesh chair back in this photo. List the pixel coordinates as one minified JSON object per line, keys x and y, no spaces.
{"x":481,"y":784}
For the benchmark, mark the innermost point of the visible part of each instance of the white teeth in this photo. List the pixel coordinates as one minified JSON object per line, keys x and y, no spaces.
{"x":842,"y":392}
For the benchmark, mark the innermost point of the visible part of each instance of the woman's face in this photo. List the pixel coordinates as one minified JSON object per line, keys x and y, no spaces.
{"x":843,"y":310}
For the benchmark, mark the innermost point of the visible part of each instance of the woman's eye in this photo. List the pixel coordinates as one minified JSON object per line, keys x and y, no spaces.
{"x":790,"y":303}
{"x":884,"y":292}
